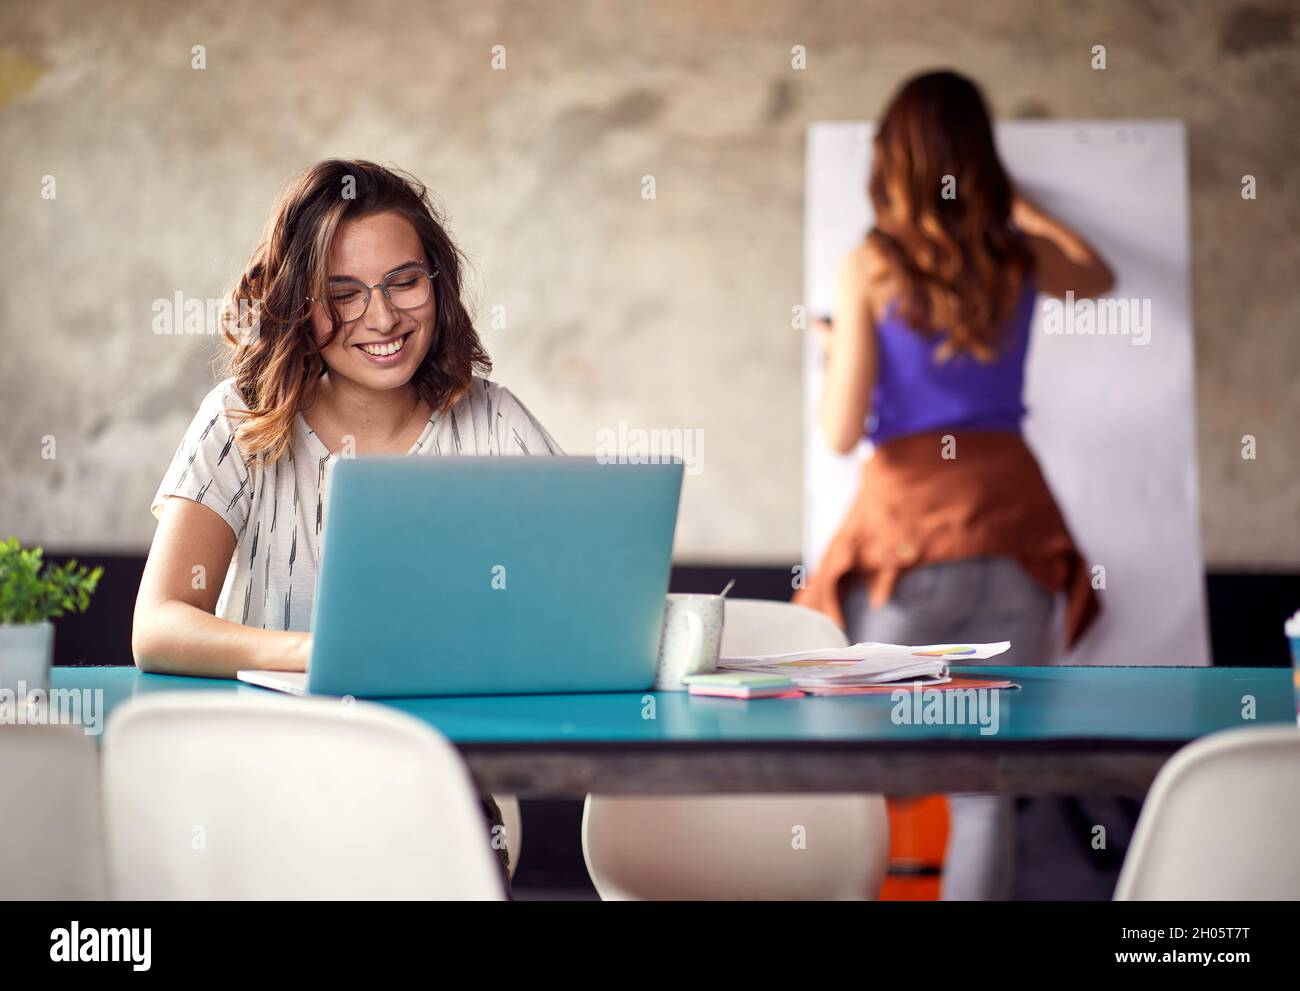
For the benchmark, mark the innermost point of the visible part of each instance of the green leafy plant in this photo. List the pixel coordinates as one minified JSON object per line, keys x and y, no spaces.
{"x":33,"y":590}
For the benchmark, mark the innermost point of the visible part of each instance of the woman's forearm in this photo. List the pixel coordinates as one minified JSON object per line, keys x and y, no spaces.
{"x":1033,"y":219}
{"x":175,"y":637}
{"x":1074,"y":262}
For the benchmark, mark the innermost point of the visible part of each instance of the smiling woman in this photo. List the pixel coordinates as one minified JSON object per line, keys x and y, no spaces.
{"x":341,"y":231}
{"x":362,"y":346}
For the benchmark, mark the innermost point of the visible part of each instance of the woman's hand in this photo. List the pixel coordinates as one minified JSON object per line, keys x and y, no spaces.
{"x":1066,"y":261}
{"x":282,"y":650}
{"x":296,"y":652}
{"x":1028,"y":215}
{"x":821,"y":328}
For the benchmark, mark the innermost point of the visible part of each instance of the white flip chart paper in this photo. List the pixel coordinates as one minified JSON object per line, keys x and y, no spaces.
{"x":1111,"y":418}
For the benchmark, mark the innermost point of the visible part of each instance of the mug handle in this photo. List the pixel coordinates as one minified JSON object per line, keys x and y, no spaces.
{"x":695,"y":630}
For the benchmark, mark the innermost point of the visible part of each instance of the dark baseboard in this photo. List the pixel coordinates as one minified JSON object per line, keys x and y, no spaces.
{"x":1246,"y":609}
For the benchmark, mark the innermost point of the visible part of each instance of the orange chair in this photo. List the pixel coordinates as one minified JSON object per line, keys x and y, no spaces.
{"x":918,"y":836}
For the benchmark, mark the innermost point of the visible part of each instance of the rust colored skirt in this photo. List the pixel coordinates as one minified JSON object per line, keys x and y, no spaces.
{"x":947,"y":495}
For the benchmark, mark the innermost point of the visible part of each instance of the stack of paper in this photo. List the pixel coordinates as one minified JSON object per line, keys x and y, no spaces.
{"x":742,"y":685}
{"x":864,"y":663}
{"x":956,"y":683}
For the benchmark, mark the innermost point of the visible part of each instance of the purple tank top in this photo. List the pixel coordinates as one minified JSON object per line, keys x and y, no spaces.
{"x":915,"y":393}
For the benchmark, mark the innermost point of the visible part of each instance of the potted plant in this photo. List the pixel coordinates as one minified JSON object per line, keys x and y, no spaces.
{"x":32,"y":592}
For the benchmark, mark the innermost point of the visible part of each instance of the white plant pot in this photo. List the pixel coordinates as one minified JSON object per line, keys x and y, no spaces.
{"x":26,"y":652}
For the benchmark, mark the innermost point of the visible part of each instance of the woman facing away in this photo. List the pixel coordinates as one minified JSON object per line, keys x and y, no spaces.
{"x":349,"y":337}
{"x":954,"y":536}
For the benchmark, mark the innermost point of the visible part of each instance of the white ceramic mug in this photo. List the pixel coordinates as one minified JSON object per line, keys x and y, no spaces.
{"x":691,"y":639}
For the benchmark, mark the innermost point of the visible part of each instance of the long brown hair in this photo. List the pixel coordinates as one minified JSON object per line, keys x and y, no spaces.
{"x":276,"y":363}
{"x":957,"y":259}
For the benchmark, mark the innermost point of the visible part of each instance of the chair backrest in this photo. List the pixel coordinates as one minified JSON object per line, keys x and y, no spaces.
{"x":50,"y":838}
{"x":764,"y":626}
{"x":242,"y":797}
{"x":742,"y":846}
{"x":736,"y":847}
{"x":1220,"y":822}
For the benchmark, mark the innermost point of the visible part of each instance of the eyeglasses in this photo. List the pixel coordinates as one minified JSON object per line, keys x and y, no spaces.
{"x":404,"y":289}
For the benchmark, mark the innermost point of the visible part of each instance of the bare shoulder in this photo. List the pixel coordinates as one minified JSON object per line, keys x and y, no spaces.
{"x":868,"y":265}
{"x":865,"y":273}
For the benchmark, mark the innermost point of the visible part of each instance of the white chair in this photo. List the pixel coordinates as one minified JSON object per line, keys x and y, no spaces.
{"x":765,"y":626}
{"x":742,"y":847}
{"x":513,"y":821}
{"x":1220,"y":822}
{"x":237,"y":796}
{"x":50,"y":837}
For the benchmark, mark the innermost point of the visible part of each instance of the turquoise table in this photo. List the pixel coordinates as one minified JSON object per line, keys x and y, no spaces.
{"x":1074,"y":730}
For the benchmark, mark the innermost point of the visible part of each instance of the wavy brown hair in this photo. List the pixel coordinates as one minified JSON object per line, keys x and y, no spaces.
{"x":958,"y":262}
{"x":278,"y":368}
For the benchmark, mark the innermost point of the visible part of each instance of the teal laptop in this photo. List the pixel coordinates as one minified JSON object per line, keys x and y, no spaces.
{"x":489,"y":576}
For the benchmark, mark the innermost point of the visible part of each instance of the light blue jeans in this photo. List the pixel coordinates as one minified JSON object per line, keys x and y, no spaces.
{"x":977,"y":600}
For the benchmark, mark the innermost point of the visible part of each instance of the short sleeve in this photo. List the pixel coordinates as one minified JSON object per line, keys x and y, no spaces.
{"x":208,"y":466}
{"x":517,"y":430}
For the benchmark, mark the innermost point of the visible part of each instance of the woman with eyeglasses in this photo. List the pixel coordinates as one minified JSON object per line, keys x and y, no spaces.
{"x":348,"y":337}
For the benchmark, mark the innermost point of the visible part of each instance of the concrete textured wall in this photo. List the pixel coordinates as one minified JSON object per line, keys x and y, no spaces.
{"x":671,"y":312}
